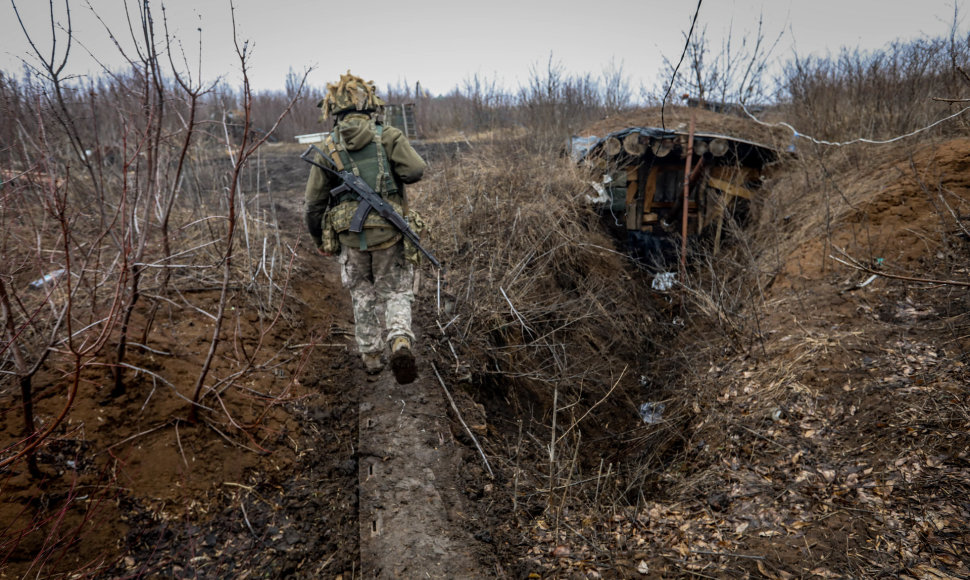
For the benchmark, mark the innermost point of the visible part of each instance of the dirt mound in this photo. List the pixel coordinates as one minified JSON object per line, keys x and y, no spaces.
{"x":844,"y":418}
{"x":897,"y":213}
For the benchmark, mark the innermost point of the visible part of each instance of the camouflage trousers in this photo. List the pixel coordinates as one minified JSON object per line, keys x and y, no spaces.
{"x":380,"y":284}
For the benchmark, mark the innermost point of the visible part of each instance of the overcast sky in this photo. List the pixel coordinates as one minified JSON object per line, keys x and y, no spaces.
{"x":442,"y":43}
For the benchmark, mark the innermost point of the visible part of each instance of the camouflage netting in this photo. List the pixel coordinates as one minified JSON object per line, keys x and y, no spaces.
{"x":350,"y":93}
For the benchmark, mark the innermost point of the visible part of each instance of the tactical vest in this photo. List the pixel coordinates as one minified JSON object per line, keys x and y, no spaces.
{"x":370,"y":163}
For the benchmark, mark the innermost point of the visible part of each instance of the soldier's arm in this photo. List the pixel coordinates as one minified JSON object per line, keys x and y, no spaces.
{"x":408,"y":165}
{"x":317,"y":196}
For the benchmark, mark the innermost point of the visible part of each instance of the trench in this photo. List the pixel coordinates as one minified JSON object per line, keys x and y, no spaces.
{"x":413,"y":519}
{"x":412,"y":524}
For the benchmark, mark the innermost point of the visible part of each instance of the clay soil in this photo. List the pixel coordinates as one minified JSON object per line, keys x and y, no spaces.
{"x":825,"y":434}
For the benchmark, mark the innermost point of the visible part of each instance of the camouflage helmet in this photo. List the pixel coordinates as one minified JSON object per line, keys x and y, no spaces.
{"x":352,"y":93}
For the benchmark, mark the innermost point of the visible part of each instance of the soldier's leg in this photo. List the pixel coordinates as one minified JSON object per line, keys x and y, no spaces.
{"x":393,"y":284}
{"x":356,"y":276}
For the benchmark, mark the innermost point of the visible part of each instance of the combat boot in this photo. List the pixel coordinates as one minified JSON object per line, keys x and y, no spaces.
{"x":402,"y":360}
{"x":372,"y":362}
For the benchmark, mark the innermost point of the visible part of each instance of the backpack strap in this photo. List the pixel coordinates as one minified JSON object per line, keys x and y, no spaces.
{"x":340,"y":151}
{"x":385,"y":173}
{"x":331,"y":148}
{"x":382,"y":173}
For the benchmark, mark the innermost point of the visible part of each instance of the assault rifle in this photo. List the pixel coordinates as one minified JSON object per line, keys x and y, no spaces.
{"x":369,"y":200}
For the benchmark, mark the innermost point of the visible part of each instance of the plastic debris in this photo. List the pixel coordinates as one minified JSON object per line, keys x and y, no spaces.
{"x":602,"y":195}
{"x":580,"y":146}
{"x":664,"y":281}
{"x":47,"y":278}
{"x":652,"y":413}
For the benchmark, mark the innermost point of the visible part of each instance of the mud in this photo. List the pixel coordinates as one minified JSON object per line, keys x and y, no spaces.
{"x":413,"y":523}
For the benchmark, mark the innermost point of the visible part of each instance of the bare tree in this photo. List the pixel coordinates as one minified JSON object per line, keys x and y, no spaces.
{"x":617,"y":94}
{"x":240,"y":156}
{"x":735,"y":73}
{"x":93,"y":212}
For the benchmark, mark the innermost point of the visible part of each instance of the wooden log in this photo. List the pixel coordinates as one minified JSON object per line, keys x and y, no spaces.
{"x":405,"y":487}
{"x":661,"y":147}
{"x":632,"y":211}
{"x":613,"y":146}
{"x":633,"y":145}
{"x":718,"y":147}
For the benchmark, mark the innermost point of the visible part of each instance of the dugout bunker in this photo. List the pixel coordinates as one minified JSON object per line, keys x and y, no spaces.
{"x":641,"y":191}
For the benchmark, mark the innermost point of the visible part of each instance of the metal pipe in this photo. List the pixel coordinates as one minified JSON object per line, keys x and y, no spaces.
{"x":687,"y":180}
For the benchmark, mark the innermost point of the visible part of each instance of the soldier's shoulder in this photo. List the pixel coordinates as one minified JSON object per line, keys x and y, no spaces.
{"x":390,"y":134}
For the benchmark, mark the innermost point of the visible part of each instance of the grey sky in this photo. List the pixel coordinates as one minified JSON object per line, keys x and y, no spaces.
{"x":442,"y":43}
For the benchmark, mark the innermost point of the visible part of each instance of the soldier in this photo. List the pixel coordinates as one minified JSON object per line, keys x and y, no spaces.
{"x":375,"y":265}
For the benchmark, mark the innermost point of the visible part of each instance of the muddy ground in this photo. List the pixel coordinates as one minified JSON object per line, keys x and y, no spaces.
{"x":833,"y":444}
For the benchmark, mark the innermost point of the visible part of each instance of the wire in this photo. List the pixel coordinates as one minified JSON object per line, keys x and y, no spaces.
{"x":796,"y":134}
{"x":673,"y":77}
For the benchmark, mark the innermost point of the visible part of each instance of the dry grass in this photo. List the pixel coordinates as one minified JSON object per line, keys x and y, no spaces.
{"x":528,"y":264}
{"x":545,"y":316}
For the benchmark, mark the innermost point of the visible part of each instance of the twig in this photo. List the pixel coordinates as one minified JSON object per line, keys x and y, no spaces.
{"x":565,"y":488}
{"x":515,"y":485}
{"x":150,"y":395}
{"x":230,"y":440}
{"x":450,"y":322}
{"x":161,"y":378}
{"x":239,"y":485}
{"x":179,"y":441}
{"x":462,"y":420}
{"x":137,"y":435}
{"x":599,"y":476}
{"x":242,"y":504}
{"x":552,"y":439}
{"x":858,"y":266}
{"x":597,"y":404}
{"x":525,"y":326}
{"x":569,"y":484}
{"x":327,"y":562}
{"x":769,"y":440}
{"x":161,"y":352}
{"x":728,"y":554}
{"x":448,"y":338}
